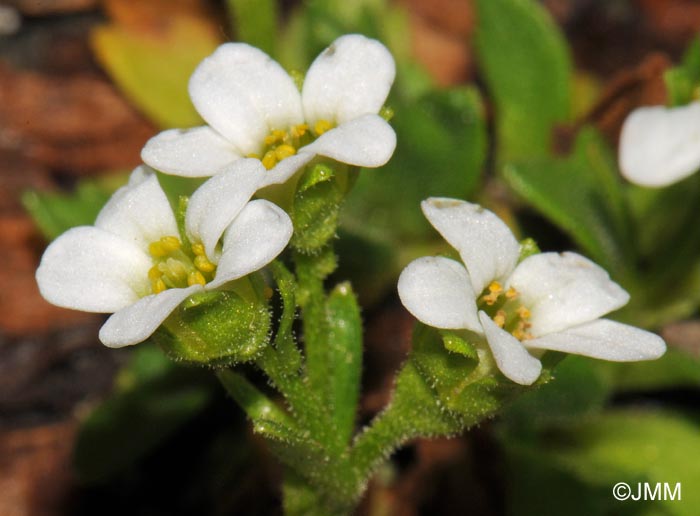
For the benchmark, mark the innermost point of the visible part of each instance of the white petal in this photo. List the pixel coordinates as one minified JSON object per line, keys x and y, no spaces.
{"x":486,"y":245}
{"x":352,"y":77}
{"x":243,"y":94}
{"x":197,"y":152}
{"x":139,"y":212}
{"x":604,"y":339}
{"x":511,"y":356}
{"x":367,"y":141}
{"x":93,"y":270}
{"x":286,"y":168}
{"x":438,"y":293}
{"x":564,"y":290}
{"x":254,"y":239}
{"x":659,"y":146}
{"x":137,"y":322}
{"x":218,"y":201}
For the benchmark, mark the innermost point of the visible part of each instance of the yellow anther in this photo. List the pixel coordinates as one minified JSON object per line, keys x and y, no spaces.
{"x":253,"y":155}
{"x":158,"y":286}
{"x":511,"y":293}
{"x":500,"y":318}
{"x":275,"y":136}
{"x":203,"y":263}
{"x":269,"y":160}
{"x":198,"y":249}
{"x":495,"y":287}
{"x":195,"y":278}
{"x":321,"y":126}
{"x":173,"y":269}
{"x":284,"y":151}
{"x":154,"y":273}
{"x":518,"y":334}
{"x":156,"y":250}
{"x":523,"y":312}
{"x":299,"y":130}
{"x":170,"y":243}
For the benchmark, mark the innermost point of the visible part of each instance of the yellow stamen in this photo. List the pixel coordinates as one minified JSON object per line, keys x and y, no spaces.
{"x":495,"y":287}
{"x":203,"y":263}
{"x":195,"y":278}
{"x":284,"y":151}
{"x":523,"y":312}
{"x":275,"y":136}
{"x":511,"y":293}
{"x":299,"y":130}
{"x":500,"y":318}
{"x":170,"y":243}
{"x":154,"y":273}
{"x":158,"y":286}
{"x":156,"y":249}
{"x":198,"y":249}
{"x":321,"y":126}
{"x":269,"y":160}
{"x":253,"y":155}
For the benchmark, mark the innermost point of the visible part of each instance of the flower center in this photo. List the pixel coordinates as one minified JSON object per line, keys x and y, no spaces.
{"x":177,"y":267}
{"x":281,"y":144}
{"x":505,"y":310}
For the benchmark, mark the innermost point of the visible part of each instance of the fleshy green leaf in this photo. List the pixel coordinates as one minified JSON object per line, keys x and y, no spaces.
{"x":345,"y":359}
{"x":154,"y":397}
{"x":153,"y":69}
{"x":526,"y":65}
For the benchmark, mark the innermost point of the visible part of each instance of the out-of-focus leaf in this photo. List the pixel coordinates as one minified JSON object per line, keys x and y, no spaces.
{"x":440,"y":151}
{"x":526,"y":65}
{"x":254,"y":22}
{"x":578,"y":389}
{"x":673,"y":370}
{"x":55,"y":213}
{"x":154,"y":397}
{"x":582,"y":195}
{"x":154,"y":67}
{"x":573,"y":470}
{"x":683,"y":81}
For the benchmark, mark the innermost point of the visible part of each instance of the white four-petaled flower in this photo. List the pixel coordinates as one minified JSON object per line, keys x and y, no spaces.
{"x":133,"y":261}
{"x":660,"y":146}
{"x":548,"y":301}
{"x":254,"y":109}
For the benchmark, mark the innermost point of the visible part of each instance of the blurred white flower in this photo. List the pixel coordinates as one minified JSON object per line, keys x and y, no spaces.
{"x":254,"y":109}
{"x":660,"y":146}
{"x":548,"y":301}
{"x":133,"y":261}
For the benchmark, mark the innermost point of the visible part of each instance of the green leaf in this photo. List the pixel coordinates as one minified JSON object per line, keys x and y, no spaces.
{"x":683,"y":81}
{"x":216,"y":328}
{"x":154,"y":397}
{"x":153,"y":69}
{"x":582,"y":195}
{"x":527,"y":70}
{"x":55,"y":213}
{"x":345,"y":359}
{"x":674,"y":370}
{"x":619,"y":446}
{"x":441,"y":147}
{"x":254,"y":22}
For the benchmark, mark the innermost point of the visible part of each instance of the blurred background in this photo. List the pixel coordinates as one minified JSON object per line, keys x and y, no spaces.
{"x":83,"y":85}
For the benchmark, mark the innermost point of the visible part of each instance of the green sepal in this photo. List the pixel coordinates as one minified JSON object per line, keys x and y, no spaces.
{"x":315,"y":208}
{"x":456,"y":344}
{"x":216,"y":329}
{"x":528,"y":247}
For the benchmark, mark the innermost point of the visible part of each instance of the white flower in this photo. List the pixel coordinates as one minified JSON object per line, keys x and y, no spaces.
{"x":134,"y":263}
{"x":660,"y":146}
{"x":548,"y":301}
{"x":254,"y":109}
